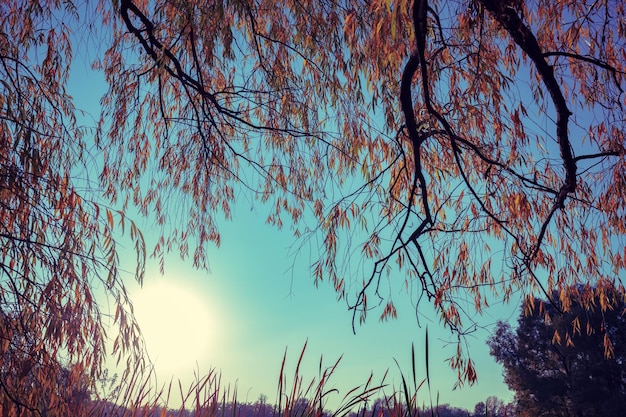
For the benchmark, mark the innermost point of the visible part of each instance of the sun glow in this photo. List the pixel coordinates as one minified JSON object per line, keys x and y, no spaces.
{"x":176,"y":325}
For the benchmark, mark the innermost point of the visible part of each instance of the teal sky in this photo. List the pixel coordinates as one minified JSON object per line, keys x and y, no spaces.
{"x":260,"y":303}
{"x":260,"y":300}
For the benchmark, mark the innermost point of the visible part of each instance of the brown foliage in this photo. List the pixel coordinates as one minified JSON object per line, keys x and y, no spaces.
{"x":469,"y":147}
{"x":57,"y":242}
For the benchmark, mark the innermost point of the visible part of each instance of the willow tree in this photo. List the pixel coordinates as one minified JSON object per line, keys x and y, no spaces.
{"x":57,"y":239}
{"x":467,"y":150}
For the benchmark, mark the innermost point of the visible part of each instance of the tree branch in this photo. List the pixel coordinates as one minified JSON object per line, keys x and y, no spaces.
{"x":508,"y":18}
{"x":598,"y":63}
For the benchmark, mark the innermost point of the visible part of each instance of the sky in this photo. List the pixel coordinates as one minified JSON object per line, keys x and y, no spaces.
{"x":255,"y":304}
{"x":258,"y":301}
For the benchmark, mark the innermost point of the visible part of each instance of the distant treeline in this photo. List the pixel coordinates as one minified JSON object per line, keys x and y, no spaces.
{"x":383,"y":407}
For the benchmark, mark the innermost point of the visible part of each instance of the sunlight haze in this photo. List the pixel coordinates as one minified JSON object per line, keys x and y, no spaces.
{"x":176,"y":324}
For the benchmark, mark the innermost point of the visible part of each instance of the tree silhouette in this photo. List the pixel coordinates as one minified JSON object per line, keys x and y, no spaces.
{"x":493,"y":406}
{"x":557,"y":363}
{"x":465,"y":150}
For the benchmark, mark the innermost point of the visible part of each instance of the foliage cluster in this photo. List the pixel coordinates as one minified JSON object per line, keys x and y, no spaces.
{"x":57,"y":239}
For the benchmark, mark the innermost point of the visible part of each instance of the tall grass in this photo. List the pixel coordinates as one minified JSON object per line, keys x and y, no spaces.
{"x":136,"y":395}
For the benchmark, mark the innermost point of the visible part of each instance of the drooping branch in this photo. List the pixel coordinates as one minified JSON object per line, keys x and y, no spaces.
{"x":596,"y":62}
{"x":164,"y":57}
{"x":420,"y":26}
{"x":406,"y":99}
{"x":522,"y":35}
{"x":509,"y":19}
{"x":153,"y":46}
{"x":206,"y":104}
{"x":416,"y":62}
{"x":416,"y":138}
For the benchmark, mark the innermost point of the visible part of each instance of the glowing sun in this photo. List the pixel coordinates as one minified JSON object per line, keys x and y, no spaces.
{"x":175,"y":323}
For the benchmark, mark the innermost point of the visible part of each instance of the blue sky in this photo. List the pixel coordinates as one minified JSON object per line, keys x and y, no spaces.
{"x":259,"y":300}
